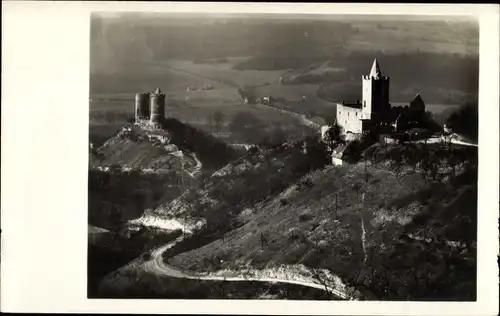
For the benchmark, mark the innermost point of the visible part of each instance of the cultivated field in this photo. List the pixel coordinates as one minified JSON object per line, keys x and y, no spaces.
{"x":421,"y":36}
{"x":191,"y":107}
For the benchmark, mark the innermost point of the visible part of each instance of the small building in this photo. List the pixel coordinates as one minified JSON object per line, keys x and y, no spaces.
{"x":192,"y":87}
{"x":267,"y":100}
{"x":208,"y":86}
{"x":338,"y":154}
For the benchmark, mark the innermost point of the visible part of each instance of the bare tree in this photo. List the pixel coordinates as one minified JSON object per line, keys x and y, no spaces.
{"x":210,"y":120}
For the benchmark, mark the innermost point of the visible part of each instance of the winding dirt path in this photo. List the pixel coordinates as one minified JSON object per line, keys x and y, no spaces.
{"x":157,"y":266}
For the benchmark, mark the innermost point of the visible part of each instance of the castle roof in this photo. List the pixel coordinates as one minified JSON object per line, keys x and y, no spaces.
{"x":418,"y":98}
{"x":417,"y":102}
{"x":157,"y":91}
{"x":375,"y":71}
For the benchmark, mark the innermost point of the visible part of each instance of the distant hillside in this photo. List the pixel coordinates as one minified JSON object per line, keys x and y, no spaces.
{"x":115,"y":41}
{"x":440,"y":78}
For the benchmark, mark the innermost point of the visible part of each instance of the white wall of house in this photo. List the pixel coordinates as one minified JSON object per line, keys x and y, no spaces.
{"x":336,"y":161}
{"x":349,"y":118}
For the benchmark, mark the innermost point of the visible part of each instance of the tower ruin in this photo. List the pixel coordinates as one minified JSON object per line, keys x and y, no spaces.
{"x":157,"y":106}
{"x":141,"y":106}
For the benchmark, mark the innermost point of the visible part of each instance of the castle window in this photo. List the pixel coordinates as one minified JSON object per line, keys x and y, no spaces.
{"x":346,"y":121}
{"x":364,"y":104}
{"x":356,"y":113}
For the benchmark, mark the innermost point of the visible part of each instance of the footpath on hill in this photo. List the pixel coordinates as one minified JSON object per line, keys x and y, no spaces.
{"x":157,"y":266}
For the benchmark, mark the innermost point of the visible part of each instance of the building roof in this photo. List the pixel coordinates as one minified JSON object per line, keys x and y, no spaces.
{"x":375,"y":71}
{"x":352,"y":104}
{"x":157,"y":91}
{"x":417,"y":102}
{"x":338,"y":150}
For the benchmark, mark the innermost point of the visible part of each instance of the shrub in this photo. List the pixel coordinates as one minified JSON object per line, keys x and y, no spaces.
{"x":305,"y":216}
{"x":305,"y":183}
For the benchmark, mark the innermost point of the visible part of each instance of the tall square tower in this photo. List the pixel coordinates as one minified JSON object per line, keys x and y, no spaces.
{"x":375,"y":97}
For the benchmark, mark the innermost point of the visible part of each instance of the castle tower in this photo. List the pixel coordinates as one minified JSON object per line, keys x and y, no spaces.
{"x":157,"y":104}
{"x":141,"y":106}
{"x":375,"y":94}
{"x":417,"y":104}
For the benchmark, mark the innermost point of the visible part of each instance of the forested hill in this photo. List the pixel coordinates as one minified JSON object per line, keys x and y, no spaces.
{"x":132,"y":38}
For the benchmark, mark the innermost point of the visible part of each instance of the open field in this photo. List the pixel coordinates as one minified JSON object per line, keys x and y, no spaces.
{"x":422,"y":36}
{"x":226,"y":73}
{"x":191,"y":107}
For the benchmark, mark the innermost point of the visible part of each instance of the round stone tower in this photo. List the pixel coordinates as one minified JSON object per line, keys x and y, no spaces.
{"x":141,"y":106}
{"x":157,"y":103}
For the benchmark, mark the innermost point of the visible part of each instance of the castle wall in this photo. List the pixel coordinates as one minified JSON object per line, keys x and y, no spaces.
{"x":157,"y":102}
{"x":141,"y":106}
{"x":349,"y":119}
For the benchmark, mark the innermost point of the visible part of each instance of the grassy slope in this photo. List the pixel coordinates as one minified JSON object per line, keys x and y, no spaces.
{"x":301,"y":228}
{"x":115,"y":197}
{"x":239,"y":185}
{"x":310,"y":212}
{"x":137,"y":151}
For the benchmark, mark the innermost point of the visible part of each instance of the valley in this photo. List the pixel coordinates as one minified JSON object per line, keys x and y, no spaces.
{"x":237,"y":195}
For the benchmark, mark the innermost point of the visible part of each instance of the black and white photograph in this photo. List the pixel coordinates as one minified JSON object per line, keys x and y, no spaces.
{"x":288,"y":157}
{"x":250,"y":158}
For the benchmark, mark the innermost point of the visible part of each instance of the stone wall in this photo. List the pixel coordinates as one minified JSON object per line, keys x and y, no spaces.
{"x":349,"y":119}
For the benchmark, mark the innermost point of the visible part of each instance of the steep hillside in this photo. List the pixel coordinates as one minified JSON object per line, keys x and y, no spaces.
{"x":135,"y":148}
{"x":368,"y":233}
{"x":140,"y":169}
{"x":212,"y":152}
{"x":219,"y":198}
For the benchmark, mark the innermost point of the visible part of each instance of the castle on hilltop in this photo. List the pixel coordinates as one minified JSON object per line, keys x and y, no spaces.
{"x":374,"y":110}
{"x":150,"y":107}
